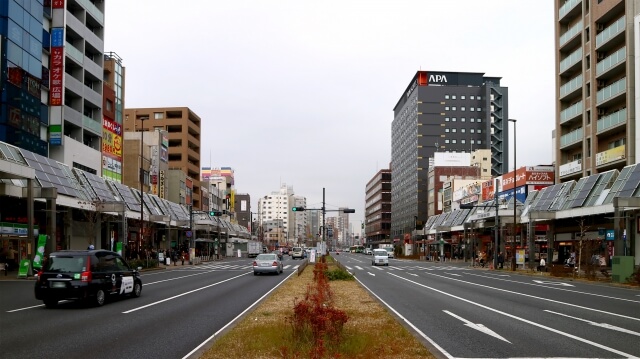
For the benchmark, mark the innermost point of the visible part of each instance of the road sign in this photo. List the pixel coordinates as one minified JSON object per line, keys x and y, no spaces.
{"x":188,"y":234}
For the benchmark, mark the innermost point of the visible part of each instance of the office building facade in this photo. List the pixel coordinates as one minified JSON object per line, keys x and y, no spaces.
{"x":377,"y":209}
{"x":444,"y":112}
{"x":183,"y":134}
{"x":596,"y":66}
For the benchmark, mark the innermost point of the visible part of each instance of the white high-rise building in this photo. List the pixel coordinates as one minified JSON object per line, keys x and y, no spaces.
{"x":277,"y":220}
{"x":76,"y":84}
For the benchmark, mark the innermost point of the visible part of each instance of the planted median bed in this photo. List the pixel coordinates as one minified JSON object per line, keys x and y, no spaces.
{"x":323,"y":313}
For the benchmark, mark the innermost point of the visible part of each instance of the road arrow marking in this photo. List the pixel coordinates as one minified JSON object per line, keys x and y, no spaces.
{"x":457,"y":275}
{"x":601,"y":325}
{"x":553,"y":283}
{"x":478,"y":327}
{"x":371,"y":274}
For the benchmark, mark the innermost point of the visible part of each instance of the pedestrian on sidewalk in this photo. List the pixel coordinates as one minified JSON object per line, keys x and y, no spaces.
{"x":542,"y":265}
{"x":602,"y":261}
{"x":500,"y":260}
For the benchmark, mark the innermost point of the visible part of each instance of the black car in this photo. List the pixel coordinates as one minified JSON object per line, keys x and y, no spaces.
{"x":90,"y":275}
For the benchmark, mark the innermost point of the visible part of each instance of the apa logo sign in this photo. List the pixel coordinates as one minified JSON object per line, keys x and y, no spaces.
{"x":437,"y":79}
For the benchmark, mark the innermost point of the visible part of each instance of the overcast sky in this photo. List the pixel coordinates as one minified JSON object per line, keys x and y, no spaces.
{"x":302,"y":92}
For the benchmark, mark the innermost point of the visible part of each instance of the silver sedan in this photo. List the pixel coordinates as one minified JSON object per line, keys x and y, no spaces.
{"x":267,"y":263}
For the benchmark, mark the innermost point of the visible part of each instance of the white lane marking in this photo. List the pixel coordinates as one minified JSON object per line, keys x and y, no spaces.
{"x":34,"y":306}
{"x":541,"y":298}
{"x":359,"y":268}
{"x":457,"y":275}
{"x":287,"y":266}
{"x":235,"y":319}
{"x":413,"y":274}
{"x":183,"y":294}
{"x":478,"y":327}
{"x":435,"y":345}
{"x":602,"y":325}
{"x":371,"y":274}
{"x":349,"y":268}
{"x":378,"y":268}
{"x":556,"y":288}
{"x":604,"y":347}
{"x":548,"y":282}
{"x":175,"y":278}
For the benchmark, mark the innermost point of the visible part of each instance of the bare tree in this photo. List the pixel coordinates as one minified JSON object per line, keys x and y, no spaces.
{"x":92,"y":217}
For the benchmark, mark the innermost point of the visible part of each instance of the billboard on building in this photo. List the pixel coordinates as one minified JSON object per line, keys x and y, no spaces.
{"x":451,"y":159}
{"x":536,"y":175}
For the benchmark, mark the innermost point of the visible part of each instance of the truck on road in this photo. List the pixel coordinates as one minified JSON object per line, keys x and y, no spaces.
{"x":253,"y":249}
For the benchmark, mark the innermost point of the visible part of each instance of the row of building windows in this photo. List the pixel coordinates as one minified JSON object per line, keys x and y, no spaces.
{"x":463,"y":130}
{"x":462,"y":97}
{"x":462,"y":119}
{"x":473,"y":142}
{"x":462,"y":108}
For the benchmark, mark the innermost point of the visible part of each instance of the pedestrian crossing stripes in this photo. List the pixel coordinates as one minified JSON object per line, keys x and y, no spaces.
{"x":408,"y":268}
{"x":229,"y":267}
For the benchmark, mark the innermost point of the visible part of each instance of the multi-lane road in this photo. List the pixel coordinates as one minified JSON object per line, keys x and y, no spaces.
{"x":179,"y":311}
{"x":462,"y":312}
{"x":458,"y":312}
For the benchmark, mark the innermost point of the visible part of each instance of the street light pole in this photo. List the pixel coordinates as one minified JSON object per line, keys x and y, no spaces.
{"x":515,"y":178}
{"x":142,"y":179}
{"x":324,"y":211}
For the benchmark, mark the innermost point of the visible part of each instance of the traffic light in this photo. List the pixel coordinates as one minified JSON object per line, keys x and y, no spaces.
{"x":297,"y":209}
{"x":348,"y":210}
{"x":215,"y":213}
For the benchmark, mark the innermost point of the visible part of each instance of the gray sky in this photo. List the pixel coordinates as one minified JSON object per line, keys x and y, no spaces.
{"x":302,"y":92}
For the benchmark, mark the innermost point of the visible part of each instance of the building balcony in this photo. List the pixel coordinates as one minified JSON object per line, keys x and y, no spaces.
{"x":613,"y":61}
{"x":611,"y":156}
{"x":572,"y":61}
{"x":92,"y":10}
{"x":572,"y":138}
{"x":572,"y":88}
{"x":92,"y":125}
{"x":572,"y":112}
{"x":570,"y":34}
{"x":612,"y":121}
{"x":611,"y":32}
{"x":612,"y":92}
{"x":569,"y":9}
{"x":73,"y":53}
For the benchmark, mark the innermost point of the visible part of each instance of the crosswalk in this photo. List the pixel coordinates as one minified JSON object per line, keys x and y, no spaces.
{"x":407,"y":268}
{"x":230,"y":267}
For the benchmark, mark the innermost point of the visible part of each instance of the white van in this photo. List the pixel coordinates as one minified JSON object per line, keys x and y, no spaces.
{"x":380,"y":257}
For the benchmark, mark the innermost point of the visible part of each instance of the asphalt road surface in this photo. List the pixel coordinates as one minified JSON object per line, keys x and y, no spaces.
{"x":179,"y":311}
{"x":464,"y":312}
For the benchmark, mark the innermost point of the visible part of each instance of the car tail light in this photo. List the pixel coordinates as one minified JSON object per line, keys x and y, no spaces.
{"x":274,"y":264}
{"x":40,"y":276}
{"x":85,"y":276}
{"x":255,"y":264}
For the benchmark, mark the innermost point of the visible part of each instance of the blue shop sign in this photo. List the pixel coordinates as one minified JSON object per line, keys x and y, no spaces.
{"x":611,"y":235}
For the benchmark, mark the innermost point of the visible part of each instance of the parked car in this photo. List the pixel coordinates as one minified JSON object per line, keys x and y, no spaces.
{"x":92,"y":275}
{"x":297,"y":252}
{"x":389,"y":251}
{"x":368,"y":251}
{"x":380,"y":257}
{"x":267,"y":263}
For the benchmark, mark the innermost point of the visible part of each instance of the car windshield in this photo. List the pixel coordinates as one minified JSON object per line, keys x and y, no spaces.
{"x":266,"y":257}
{"x":297,"y":249}
{"x":380,"y":252}
{"x":66,"y":264}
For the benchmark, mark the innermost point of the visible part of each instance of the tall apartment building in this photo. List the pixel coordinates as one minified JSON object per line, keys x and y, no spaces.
{"x":444,"y":112}
{"x":76,"y":63}
{"x":377,"y":208}
{"x":183,"y":131}
{"x":275,"y":215}
{"x":596,"y":66}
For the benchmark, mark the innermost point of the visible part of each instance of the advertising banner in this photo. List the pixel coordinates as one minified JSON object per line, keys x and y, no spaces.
{"x":112,"y":138}
{"x":23,"y":270}
{"x":611,"y":155}
{"x":56,"y":76}
{"x":37,"y":259}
